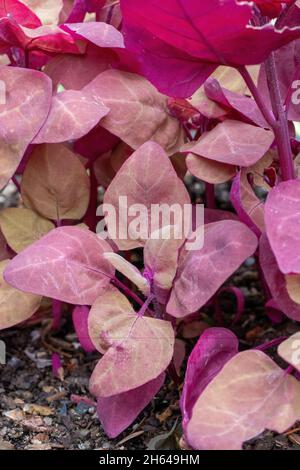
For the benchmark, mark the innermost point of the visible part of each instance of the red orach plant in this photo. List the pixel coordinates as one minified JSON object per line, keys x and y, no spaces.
{"x":106,"y":94}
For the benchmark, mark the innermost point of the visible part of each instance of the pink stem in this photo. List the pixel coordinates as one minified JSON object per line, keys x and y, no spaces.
{"x":57,"y":314}
{"x":269,"y":117}
{"x":131,"y":294}
{"x":210,"y":196}
{"x":271,"y":344}
{"x":281,"y":128}
{"x":16,"y":183}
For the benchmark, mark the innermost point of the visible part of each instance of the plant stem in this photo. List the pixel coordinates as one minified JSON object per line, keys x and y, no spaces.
{"x":271,"y":344}
{"x":268,"y":115}
{"x":131,"y":294}
{"x":210,"y":196}
{"x":281,"y":128}
{"x":57,"y":314}
{"x":16,"y":183}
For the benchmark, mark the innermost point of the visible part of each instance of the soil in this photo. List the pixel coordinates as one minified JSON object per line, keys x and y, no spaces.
{"x":40,"y":411}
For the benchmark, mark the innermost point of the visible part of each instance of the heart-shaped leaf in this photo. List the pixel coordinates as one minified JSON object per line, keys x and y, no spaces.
{"x":55,"y":183}
{"x":289,"y":350}
{"x":283,"y":205}
{"x":72,"y":115}
{"x":66,"y":264}
{"x":118,"y":412}
{"x":215,"y":347}
{"x":22,"y":227}
{"x":246,"y":397}
{"x":100,"y":34}
{"x":128,"y":338}
{"x":15,"y":306}
{"x":138,"y":113}
{"x":145,"y":180}
{"x":234,"y":143}
{"x":24,"y":106}
{"x":227,"y":244}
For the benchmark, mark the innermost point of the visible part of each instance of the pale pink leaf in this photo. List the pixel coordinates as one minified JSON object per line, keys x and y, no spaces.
{"x":215,"y":347}
{"x":127,"y":338}
{"x":147,"y":178}
{"x":72,"y":115}
{"x":227,"y":244}
{"x":249,"y":395}
{"x":66,"y":264}
{"x":100,"y":34}
{"x":282,"y":218}
{"x":289,"y":350}
{"x":116,"y":413}
{"x":80,"y":321}
{"x":15,"y":306}
{"x":234,"y":143}
{"x":276,"y":280}
{"x":24,"y":106}
{"x":138,"y":112}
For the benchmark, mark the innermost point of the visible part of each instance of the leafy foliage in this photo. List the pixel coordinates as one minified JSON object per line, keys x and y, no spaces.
{"x":105,"y":101}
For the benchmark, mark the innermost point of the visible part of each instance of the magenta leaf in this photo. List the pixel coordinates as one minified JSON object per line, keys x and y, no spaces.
{"x":276,"y":281}
{"x":197,"y":31}
{"x":227,"y":244}
{"x":66,"y":264}
{"x":126,"y":338}
{"x":234,"y":143}
{"x":23,"y":109}
{"x":72,"y":115}
{"x":148,"y":168}
{"x":283,"y":206}
{"x":100,"y":34}
{"x":80,"y":321}
{"x":248,"y":396}
{"x":116,"y":413}
{"x":214,"y":348}
{"x":138,"y":113}
{"x":245,"y":108}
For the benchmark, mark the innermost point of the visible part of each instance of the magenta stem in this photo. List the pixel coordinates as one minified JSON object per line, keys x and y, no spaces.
{"x":271,"y":344}
{"x":16,"y":183}
{"x":281,"y":128}
{"x":268,"y":115}
{"x":210,"y":196}
{"x":290,"y":370}
{"x":57,"y":314}
{"x":131,"y":294}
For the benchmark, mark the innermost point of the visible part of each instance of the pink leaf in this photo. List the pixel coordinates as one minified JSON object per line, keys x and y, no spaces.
{"x":282,"y":217}
{"x":276,"y":280}
{"x":24,"y":106}
{"x":66,"y":264}
{"x":146,"y":178}
{"x":80,"y":321}
{"x":249,"y":395}
{"x":138,"y":113}
{"x":215,"y":347}
{"x":289,"y":350}
{"x":197,"y":32}
{"x":100,"y":34}
{"x":234,"y":143}
{"x":72,"y":115}
{"x":116,"y":413}
{"x":245,"y":107}
{"x":127,"y":338}
{"x":20,"y":13}
{"x":247,"y":205}
{"x":227,"y":244}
